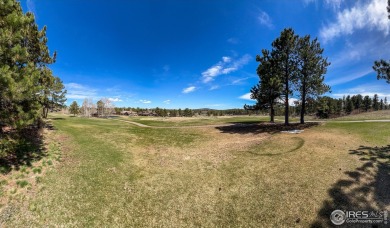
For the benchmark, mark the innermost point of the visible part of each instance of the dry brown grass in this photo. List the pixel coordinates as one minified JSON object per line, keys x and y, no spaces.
{"x":121,"y":175}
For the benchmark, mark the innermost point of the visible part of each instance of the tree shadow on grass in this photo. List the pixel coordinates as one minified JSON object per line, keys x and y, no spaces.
{"x":23,"y":148}
{"x":365,"y":188}
{"x":264,"y":127}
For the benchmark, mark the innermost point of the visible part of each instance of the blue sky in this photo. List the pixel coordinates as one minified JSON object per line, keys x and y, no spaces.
{"x":201,"y":53}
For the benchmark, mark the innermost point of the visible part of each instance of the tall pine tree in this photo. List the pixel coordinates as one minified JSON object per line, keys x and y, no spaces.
{"x":284,"y":53}
{"x":311,"y":70}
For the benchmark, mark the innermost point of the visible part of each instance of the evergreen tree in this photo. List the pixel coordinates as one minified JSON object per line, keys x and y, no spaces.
{"x":312,"y":67}
{"x":284,"y":53}
{"x":269,"y":88}
{"x":187,"y":112}
{"x":367,"y":103}
{"x":381,"y":106}
{"x":349,"y":105}
{"x":26,"y":83}
{"x":74,"y":108}
{"x":382,"y":67}
{"x":357,"y":101}
{"x":375,"y":102}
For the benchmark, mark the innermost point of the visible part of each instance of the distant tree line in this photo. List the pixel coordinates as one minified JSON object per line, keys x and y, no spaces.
{"x":330,"y":107}
{"x":28,"y":88}
{"x":103,"y":108}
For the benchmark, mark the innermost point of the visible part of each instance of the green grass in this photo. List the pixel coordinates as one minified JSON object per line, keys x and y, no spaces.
{"x":119,"y":175}
{"x":22,"y":183}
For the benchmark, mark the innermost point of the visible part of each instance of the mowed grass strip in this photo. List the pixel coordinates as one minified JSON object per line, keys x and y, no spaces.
{"x":120,"y":175}
{"x":202,"y":121}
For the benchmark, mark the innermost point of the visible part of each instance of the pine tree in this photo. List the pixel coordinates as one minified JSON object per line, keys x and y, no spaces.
{"x":312,"y":67}
{"x":349,"y":105}
{"x":357,"y":101}
{"x":382,"y":67}
{"x":367,"y":103}
{"x":375,"y":102}
{"x":284,"y":52}
{"x":381,"y":106}
{"x":269,"y":88}
{"x":74,"y":108}
{"x":25,"y":79}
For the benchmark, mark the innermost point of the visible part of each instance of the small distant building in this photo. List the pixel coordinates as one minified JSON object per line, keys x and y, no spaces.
{"x":128,"y":113}
{"x":147,"y":113}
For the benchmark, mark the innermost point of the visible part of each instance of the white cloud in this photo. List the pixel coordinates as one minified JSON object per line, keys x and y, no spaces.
{"x":116,"y":99}
{"x":189,"y":89}
{"x":241,"y":80}
{"x":350,"y":77}
{"x":214,"y":105}
{"x":167,"y":101}
{"x":74,"y":86}
{"x":246,"y":96}
{"x":335,"y":4}
{"x":214,"y":87}
{"x":145,"y":101}
{"x":372,"y":15}
{"x":226,"y":59}
{"x":291,"y":101}
{"x":365,"y":90}
{"x":207,"y":79}
{"x":226,"y":66}
{"x":265,"y":19}
{"x":78,"y":91}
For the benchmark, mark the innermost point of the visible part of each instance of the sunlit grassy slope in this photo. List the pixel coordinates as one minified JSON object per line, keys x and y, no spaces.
{"x":114,"y":174}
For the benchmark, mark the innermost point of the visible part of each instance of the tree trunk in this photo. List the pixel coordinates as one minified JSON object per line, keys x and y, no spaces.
{"x":303,"y":108}
{"x":272,"y":113}
{"x":286,"y":108}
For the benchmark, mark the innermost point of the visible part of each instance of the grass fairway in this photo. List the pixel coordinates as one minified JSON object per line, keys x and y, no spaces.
{"x":374,"y":115}
{"x":114,"y":174}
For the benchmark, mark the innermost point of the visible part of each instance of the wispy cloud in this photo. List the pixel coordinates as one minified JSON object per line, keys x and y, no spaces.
{"x":226,"y":66}
{"x":214,"y":105}
{"x":116,"y":99}
{"x":166,"y":68}
{"x":334,"y":4}
{"x":189,"y":89}
{"x":78,"y":91}
{"x":372,"y":15}
{"x":350,"y":77}
{"x":145,"y":101}
{"x":167,"y":102}
{"x":240,"y":81}
{"x":265,"y":19}
{"x":31,"y":7}
{"x":214,"y":87}
{"x":365,"y":90}
{"x":246,"y":96}
{"x":232,"y":40}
